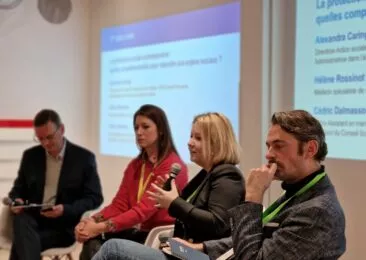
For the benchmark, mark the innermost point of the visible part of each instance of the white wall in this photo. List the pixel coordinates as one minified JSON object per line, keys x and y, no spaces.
{"x":43,"y":65}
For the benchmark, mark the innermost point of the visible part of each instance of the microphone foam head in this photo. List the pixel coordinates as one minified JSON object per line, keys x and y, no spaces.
{"x":175,"y":169}
{"x":7,"y":201}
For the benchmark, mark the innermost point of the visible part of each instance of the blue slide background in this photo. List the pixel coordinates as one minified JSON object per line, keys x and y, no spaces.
{"x":202,"y":87}
{"x":330,"y":71}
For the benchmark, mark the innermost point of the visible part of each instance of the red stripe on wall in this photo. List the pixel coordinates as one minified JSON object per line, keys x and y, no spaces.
{"x":16,"y":123}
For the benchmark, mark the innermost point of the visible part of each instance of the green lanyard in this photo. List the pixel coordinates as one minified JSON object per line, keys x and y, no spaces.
{"x":196,"y":190}
{"x":274,"y":209}
{"x":192,"y":195}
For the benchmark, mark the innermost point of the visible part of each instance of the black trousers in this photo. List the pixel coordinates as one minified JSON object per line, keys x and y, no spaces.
{"x":91,"y":247}
{"x":33,"y":234}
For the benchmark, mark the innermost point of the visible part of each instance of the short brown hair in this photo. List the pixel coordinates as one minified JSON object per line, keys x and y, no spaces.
{"x":47,"y":115}
{"x":219,"y":141}
{"x":304,"y":127}
{"x":165,"y":139}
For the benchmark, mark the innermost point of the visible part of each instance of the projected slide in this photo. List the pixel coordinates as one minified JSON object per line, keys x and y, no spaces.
{"x":187,"y":64}
{"x":330,"y":71}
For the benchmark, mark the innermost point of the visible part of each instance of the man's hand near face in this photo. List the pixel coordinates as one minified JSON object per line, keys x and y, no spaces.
{"x":258,"y":181}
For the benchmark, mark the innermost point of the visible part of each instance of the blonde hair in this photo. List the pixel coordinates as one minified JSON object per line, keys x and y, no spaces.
{"x":219,"y":142}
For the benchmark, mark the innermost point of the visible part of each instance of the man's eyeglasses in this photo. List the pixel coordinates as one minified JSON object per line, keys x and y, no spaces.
{"x":48,"y":137}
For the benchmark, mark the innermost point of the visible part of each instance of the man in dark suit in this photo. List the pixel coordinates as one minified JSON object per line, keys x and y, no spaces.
{"x":58,"y":173}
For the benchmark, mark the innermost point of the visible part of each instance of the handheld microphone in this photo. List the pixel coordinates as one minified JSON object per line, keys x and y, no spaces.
{"x":174,"y":170}
{"x":10,"y":202}
{"x":7,"y":201}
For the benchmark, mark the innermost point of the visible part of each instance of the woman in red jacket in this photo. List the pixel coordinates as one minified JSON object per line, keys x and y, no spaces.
{"x":131,"y":215}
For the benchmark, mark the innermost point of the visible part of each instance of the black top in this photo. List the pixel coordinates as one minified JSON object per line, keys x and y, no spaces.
{"x":291,"y":189}
{"x":206,"y":216}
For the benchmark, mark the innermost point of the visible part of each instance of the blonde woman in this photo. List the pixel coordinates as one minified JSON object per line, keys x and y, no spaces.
{"x":201,"y":211}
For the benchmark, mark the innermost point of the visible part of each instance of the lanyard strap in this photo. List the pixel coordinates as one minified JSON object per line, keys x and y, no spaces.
{"x":142,"y":184}
{"x":274,"y":209}
{"x":189,"y":199}
{"x":192,"y":195}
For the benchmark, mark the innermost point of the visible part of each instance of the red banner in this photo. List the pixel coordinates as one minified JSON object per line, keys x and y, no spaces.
{"x":16,"y":123}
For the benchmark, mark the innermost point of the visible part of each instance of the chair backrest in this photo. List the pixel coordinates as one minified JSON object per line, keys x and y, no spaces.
{"x":6,"y":228}
{"x":152,"y":239}
{"x":60,"y":252}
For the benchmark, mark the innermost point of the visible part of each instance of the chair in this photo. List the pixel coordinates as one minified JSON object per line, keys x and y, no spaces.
{"x":64,"y":252}
{"x":59,"y":253}
{"x":52,"y":253}
{"x":152,"y":239}
{"x":5,"y":228}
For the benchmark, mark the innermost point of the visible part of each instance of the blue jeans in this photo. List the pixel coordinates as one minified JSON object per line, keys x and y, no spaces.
{"x":121,"y":249}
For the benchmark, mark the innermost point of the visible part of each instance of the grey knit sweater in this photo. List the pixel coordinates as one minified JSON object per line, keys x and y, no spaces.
{"x":310,"y":226}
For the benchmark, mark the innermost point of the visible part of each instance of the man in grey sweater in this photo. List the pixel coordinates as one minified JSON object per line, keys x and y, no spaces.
{"x":307,"y":222}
